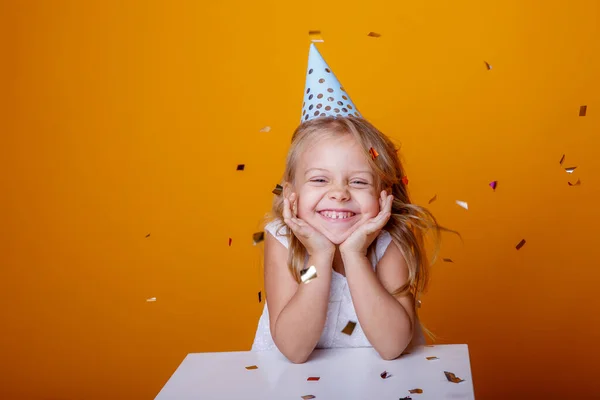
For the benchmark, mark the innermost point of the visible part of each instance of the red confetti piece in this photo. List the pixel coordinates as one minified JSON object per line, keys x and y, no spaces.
{"x":385,"y":375}
{"x":582,"y":111}
{"x":434,"y":198}
{"x":229,"y":241}
{"x":418,"y":391}
{"x":251,"y":367}
{"x":521,"y":244}
{"x":405,"y":180}
{"x":576,"y":183}
{"x":374,"y":153}
{"x":313,"y":378}
{"x":493,"y":184}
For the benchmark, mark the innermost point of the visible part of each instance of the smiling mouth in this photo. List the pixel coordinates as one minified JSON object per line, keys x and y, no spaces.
{"x":337,"y":215}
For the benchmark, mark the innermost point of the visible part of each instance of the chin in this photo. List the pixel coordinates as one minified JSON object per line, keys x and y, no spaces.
{"x":337,"y":239}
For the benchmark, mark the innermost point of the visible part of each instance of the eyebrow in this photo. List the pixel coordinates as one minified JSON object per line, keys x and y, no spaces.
{"x":326,"y":170}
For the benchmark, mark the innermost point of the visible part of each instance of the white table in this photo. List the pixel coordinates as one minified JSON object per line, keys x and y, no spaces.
{"x":344,"y":374}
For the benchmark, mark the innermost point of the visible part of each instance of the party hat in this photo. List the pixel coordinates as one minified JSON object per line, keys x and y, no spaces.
{"x":324,"y":96}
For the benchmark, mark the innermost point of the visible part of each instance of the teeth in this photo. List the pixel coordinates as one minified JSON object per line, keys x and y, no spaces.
{"x":337,"y":215}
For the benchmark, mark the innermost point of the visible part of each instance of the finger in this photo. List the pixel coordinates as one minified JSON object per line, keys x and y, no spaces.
{"x":286,"y":209}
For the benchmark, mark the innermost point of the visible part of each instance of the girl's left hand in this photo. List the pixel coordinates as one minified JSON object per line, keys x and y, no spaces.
{"x":360,"y":240}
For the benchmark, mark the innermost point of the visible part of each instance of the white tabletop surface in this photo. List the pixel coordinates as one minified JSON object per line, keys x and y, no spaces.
{"x":352,"y":373}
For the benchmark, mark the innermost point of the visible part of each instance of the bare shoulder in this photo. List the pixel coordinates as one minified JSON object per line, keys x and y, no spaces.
{"x":280,"y":286}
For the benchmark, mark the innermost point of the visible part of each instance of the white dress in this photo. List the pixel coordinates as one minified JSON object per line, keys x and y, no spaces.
{"x":340,"y":310}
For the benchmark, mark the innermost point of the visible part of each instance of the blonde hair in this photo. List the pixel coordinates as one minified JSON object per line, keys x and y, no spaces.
{"x":408,"y":224}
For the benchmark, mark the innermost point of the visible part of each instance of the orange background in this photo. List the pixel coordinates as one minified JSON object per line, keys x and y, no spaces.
{"x":126,"y":119}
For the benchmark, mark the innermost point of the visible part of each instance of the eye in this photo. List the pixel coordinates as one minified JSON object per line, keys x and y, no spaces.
{"x":360,"y":182}
{"x":318,"y":180}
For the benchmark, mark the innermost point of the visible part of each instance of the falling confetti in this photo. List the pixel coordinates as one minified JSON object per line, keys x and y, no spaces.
{"x":582,"y":111}
{"x":148,"y":235}
{"x":259,"y":297}
{"x":374,"y":153}
{"x":349,"y":328}
{"x":405,"y":180}
{"x":258,"y":237}
{"x":315,"y":36}
{"x":570,"y":170}
{"x":562,"y":159}
{"x":576,"y":183}
{"x":487,"y":65}
{"x":385,"y":375}
{"x":493,"y":185}
{"x":374,"y":34}
{"x":432,"y":358}
{"x":418,"y":391}
{"x":453,"y":378}
{"x":463,"y":204}
{"x":230,"y":242}
{"x":449,"y":260}
{"x":313,"y":378}
{"x":251,"y":367}
{"x":521,"y":244}
{"x":434,"y":198}
{"x":265,"y":129}
{"x":151,"y":299}
{"x":240,"y":167}
{"x":278,"y":190}
{"x":307,"y":275}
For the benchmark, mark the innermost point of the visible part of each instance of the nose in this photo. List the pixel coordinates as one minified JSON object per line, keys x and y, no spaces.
{"x":339,"y":193}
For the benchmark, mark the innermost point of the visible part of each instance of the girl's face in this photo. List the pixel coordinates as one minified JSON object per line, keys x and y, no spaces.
{"x":335,"y":187}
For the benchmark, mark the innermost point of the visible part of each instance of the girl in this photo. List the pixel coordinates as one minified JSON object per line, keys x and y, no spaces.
{"x":346,"y":211}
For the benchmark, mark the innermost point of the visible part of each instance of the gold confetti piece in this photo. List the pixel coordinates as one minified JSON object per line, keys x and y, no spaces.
{"x":308,"y":397}
{"x":151,"y":299}
{"x":265,"y":129}
{"x":487,"y":65}
{"x":229,"y":241}
{"x":432,"y":358}
{"x":521,"y":244}
{"x":463,"y":204}
{"x":374,"y":34}
{"x":258,"y":237}
{"x":453,"y":378}
{"x":562,"y":159}
{"x":349,"y":328}
{"x":307,"y":275}
{"x":251,"y":367}
{"x":434,"y":198}
{"x":582,"y":111}
{"x":570,"y":170}
{"x":278,"y":190}
{"x":576,"y":183}
{"x":259,"y":297}
{"x":240,"y":167}
{"x":418,"y":303}
{"x":447,"y":260}
{"x":405,"y":180}
{"x":148,"y":235}
{"x":313,"y":378}
{"x":374,"y":153}
{"x":315,"y":36}
{"x":418,"y":391}
{"x":385,"y":375}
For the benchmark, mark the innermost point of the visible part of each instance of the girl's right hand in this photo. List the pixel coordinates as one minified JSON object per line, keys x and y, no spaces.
{"x":313,"y":241}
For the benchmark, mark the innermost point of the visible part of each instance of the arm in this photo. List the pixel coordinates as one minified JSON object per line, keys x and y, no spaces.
{"x":297,"y":312}
{"x":387,"y":321}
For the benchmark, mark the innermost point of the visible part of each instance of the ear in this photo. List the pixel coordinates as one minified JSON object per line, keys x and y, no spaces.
{"x":288,"y":189}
